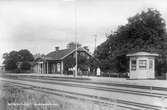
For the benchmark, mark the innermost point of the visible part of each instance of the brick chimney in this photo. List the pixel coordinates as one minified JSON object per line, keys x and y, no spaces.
{"x":57,"y":48}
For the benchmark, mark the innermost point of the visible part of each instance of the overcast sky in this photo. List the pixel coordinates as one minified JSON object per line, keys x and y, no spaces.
{"x":40,"y":25}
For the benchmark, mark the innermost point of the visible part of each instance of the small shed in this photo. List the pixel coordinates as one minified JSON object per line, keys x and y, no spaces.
{"x":142,"y":65}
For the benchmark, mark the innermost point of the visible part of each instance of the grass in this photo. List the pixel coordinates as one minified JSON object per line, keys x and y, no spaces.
{"x":15,"y":95}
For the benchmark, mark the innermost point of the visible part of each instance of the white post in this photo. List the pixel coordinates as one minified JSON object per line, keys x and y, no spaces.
{"x":130,"y":66}
{"x":153,"y":67}
{"x":42,"y":68}
{"x":47,"y":68}
{"x":62,"y":68}
{"x":76,"y":66}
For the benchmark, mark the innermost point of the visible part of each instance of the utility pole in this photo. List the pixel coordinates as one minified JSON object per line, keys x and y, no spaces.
{"x":95,"y":40}
{"x":75,"y":33}
{"x":76,"y":42}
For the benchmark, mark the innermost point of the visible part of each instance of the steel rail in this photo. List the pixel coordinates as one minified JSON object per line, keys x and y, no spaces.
{"x":121,"y":103}
{"x":108,"y":89}
{"x":90,"y":82}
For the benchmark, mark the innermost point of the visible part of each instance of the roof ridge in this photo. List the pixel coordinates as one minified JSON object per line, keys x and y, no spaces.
{"x":59,"y":54}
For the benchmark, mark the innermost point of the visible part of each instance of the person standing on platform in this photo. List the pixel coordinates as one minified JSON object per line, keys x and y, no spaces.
{"x":98,"y":71}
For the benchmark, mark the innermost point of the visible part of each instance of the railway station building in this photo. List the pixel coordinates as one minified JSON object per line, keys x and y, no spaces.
{"x":54,"y":62}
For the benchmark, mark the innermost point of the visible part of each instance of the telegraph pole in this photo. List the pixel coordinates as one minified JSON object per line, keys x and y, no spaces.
{"x":95,"y":40}
{"x":76,"y":34}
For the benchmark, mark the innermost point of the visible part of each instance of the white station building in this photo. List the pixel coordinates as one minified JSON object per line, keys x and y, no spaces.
{"x":142,"y":65}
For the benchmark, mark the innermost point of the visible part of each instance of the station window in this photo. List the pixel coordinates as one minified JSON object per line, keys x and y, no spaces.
{"x":133,"y":65}
{"x":142,"y":64}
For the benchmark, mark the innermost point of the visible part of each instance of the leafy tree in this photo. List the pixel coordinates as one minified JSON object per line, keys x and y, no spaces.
{"x":12,"y":59}
{"x":144,"y":32}
{"x":69,"y":62}
{"x":93,"y":64}
{"x":73,"y":45}
{"x":25,"y":55}
{"x":84,"y":61}
{"x":25,"y":66}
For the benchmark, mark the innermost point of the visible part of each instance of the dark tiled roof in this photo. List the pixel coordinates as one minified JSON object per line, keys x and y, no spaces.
{"x":59,"y":54}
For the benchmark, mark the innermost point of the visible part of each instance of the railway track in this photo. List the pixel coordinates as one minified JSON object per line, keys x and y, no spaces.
{"x":127,"y":105}
{"x":87,"y":80}
{"x":144,"y":90}
{"x":81,"y":84}
{"x":108,"y":89}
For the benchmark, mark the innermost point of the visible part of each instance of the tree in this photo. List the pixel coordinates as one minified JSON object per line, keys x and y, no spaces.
{"x":84,"y":61}
{"x":12,"y":59}
{"x":73,"y":45}
{"x":144,"y":32}
{"x":25,"y":55}
{"x":25,"y":66}
{"x":69,"y":62}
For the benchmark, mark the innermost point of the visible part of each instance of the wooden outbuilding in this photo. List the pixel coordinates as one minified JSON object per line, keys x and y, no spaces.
{"x":142,"y":65}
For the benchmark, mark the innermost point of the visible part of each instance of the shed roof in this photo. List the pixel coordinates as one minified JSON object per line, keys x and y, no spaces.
{"x":142,"y":54}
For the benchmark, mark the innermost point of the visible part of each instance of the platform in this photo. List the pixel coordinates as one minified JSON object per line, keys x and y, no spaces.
{"x":144,"y":82}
